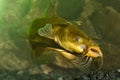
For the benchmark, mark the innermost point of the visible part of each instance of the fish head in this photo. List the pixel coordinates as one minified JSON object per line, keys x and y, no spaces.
{"x":87,"y":54}
{"x":78,"y":42}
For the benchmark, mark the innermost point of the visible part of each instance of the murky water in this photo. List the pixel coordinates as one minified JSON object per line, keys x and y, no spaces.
{"x":100,"y":20}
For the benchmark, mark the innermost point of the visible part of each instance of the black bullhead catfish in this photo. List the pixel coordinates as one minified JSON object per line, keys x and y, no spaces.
{"x":72,"y":43}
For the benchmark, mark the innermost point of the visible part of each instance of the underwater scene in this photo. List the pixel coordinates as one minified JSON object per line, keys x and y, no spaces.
{"x":59,"y":40}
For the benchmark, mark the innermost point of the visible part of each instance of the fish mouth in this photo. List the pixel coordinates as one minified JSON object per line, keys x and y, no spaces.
{"x":93,"y":59}
{"x":93,"y":51}
{"x":90,"y":61}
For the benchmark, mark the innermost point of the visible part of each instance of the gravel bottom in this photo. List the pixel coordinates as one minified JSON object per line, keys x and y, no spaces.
{"x":24,"y":75}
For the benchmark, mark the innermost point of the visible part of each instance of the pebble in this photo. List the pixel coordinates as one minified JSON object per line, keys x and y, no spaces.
{"x":118,"y":79}
{"x":84,"y":77}
{"x":60,"y":78}
{"x":118,"y":70}
{"x":20,"y":72}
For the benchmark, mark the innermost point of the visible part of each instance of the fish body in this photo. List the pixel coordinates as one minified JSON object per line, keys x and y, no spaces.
{"x":62,"y":36}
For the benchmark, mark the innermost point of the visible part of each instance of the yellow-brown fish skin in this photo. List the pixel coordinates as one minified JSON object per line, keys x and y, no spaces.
{"x":84,"y":53}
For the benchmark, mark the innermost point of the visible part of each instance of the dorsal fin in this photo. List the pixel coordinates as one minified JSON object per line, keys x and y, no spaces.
{"x":53,"y":9}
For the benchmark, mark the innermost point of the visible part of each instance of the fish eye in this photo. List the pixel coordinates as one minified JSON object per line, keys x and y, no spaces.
{"x":77,"y":39}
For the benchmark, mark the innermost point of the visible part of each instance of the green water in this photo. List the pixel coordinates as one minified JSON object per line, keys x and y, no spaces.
{"x":100,"y":20}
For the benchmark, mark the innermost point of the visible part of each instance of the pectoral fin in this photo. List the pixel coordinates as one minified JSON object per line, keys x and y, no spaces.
{"x":46,"y":31}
